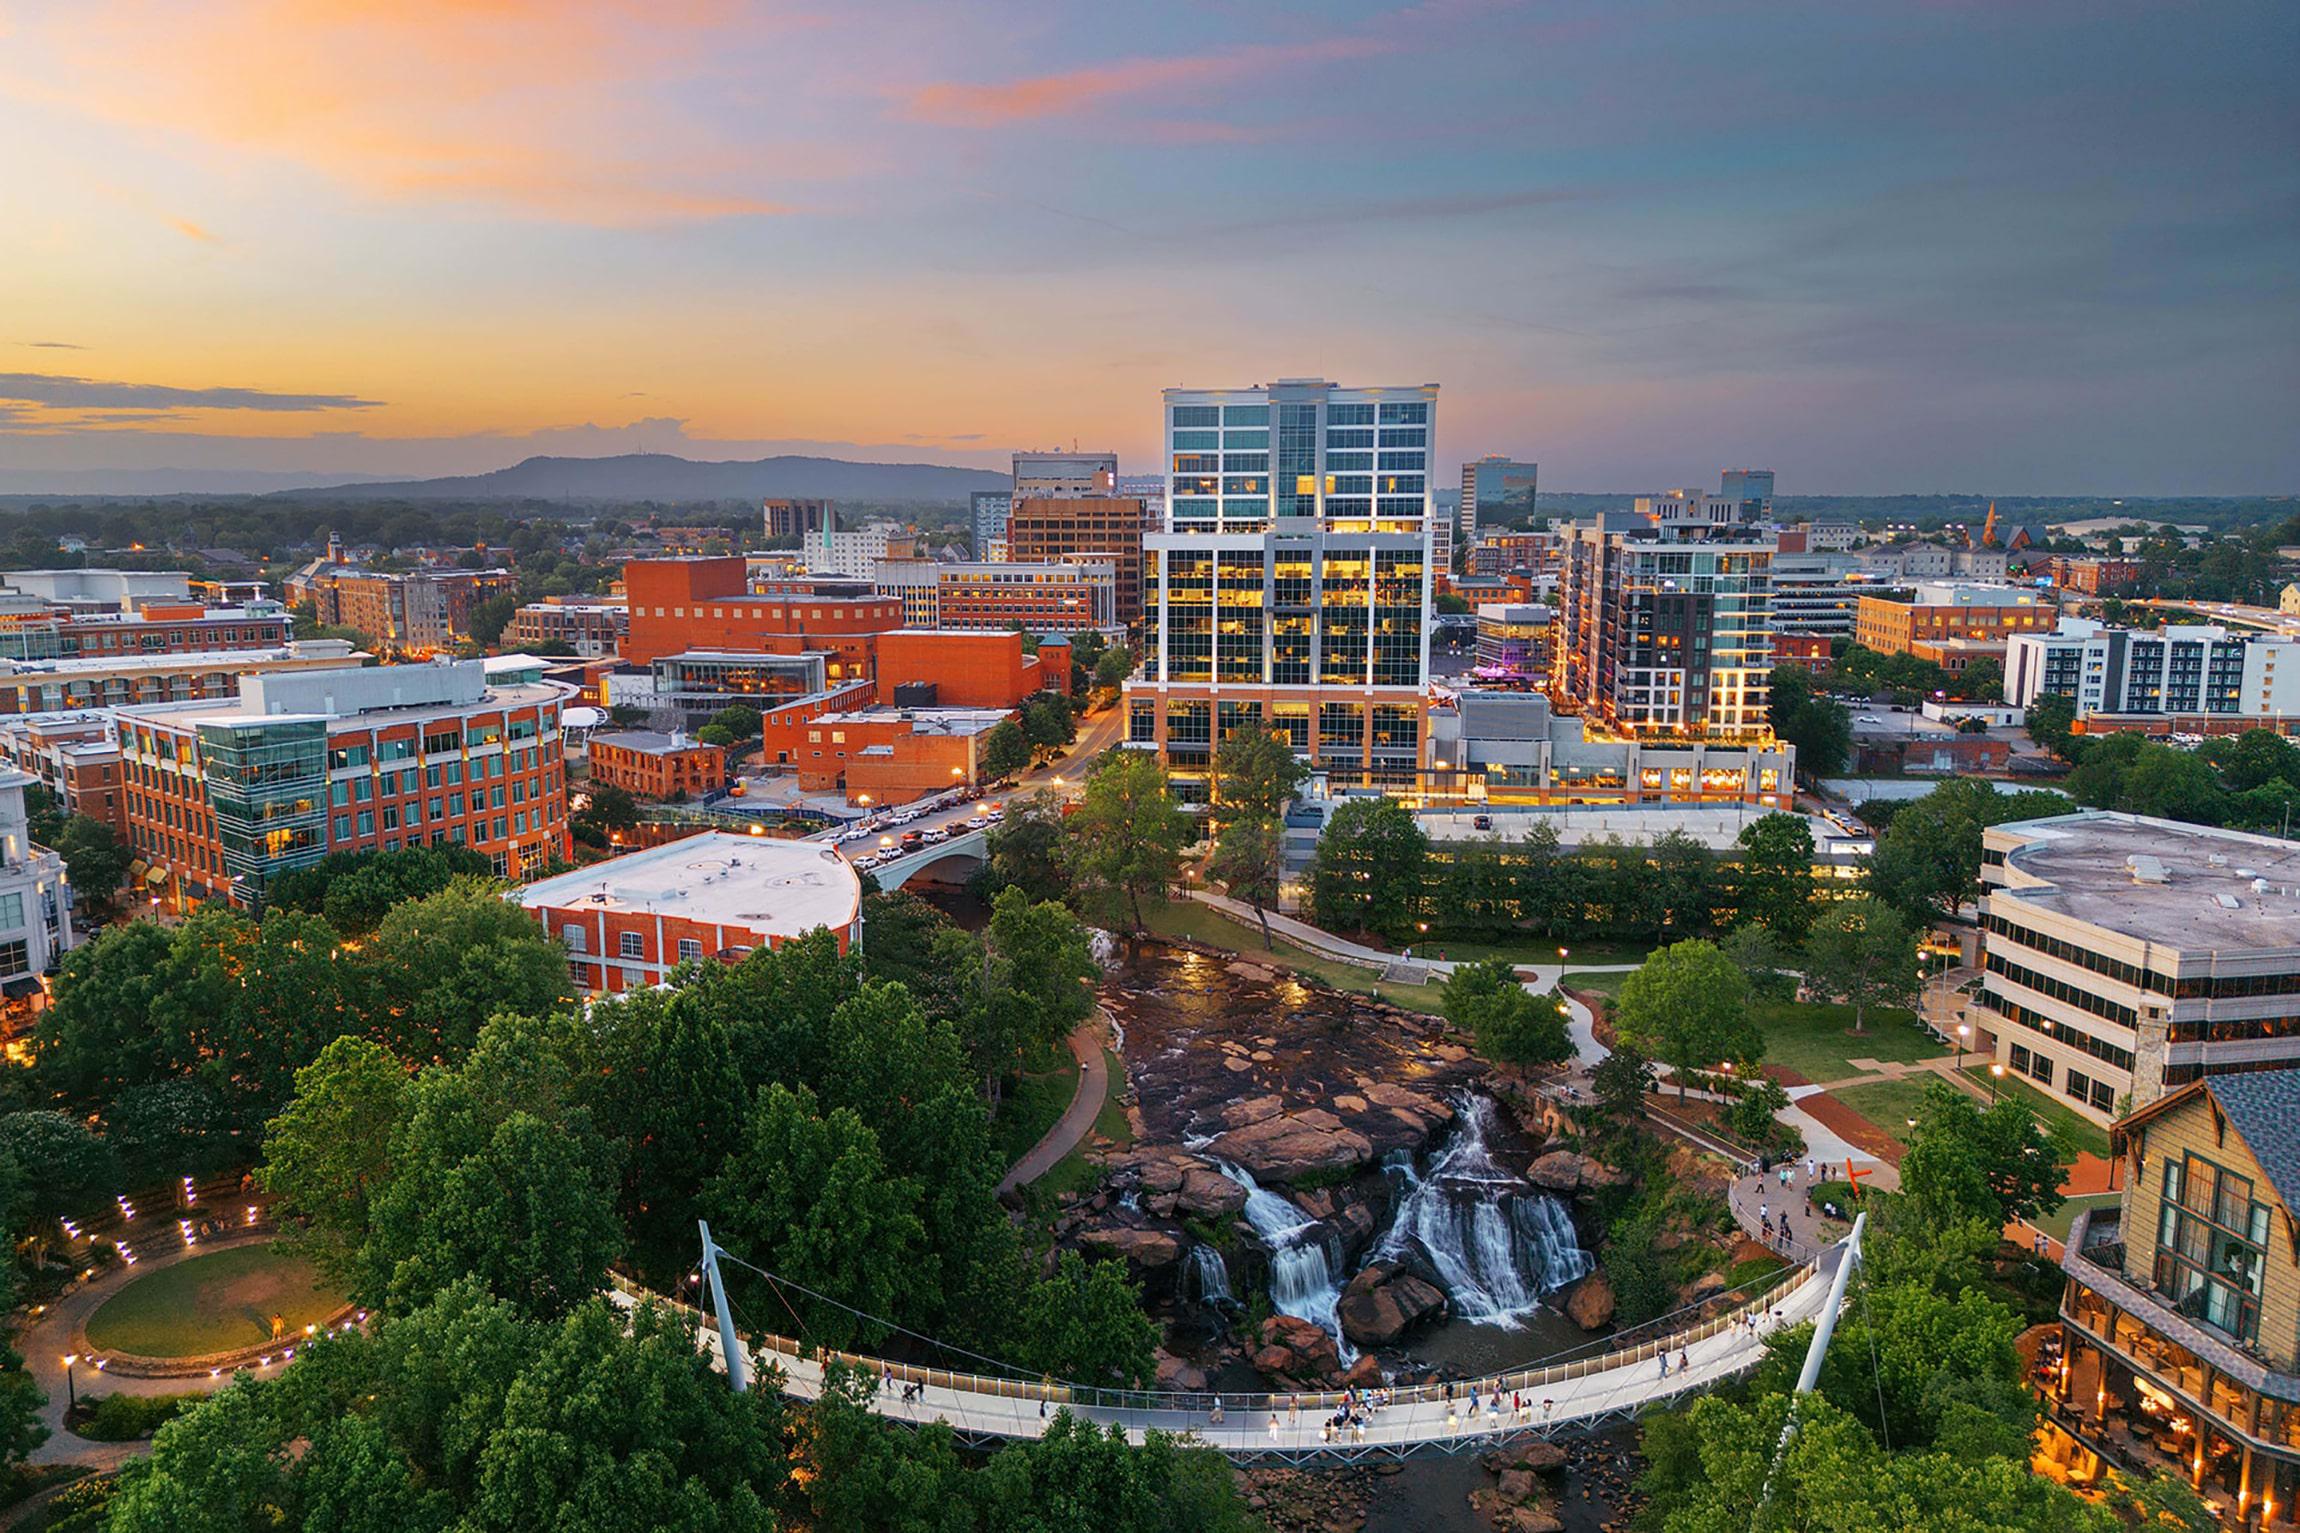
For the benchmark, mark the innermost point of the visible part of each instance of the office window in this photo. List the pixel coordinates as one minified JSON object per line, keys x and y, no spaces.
{"x":690,"y":949}
{"x":576,"y":938}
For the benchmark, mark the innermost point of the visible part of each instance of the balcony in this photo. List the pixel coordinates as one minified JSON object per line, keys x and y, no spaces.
{"x":2095,"y":1257}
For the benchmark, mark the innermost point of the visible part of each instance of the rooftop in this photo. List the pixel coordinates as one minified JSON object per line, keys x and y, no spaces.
{"x":2189,"y":887}
{"x":771,"y":887}
{"x":652,"y":742}
{"x":328,"y":651}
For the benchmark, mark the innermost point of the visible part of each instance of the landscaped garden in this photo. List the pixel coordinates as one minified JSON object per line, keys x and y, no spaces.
{"x":2072,"y":1129}
{"x":212,"y":1303}
{"x":1889,"y":1104}
{"x":1816,"y":1040}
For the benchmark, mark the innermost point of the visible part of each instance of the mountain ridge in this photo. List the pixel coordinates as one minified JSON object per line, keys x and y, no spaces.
{"x":666,"y":476}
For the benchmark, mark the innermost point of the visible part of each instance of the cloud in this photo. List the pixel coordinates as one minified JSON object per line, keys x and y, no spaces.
{"x":950,"y":104}
{"x":56,"y":345}
{"x":192,"y":231}
{"x":542,"y":106}
{"x":59,"y":392}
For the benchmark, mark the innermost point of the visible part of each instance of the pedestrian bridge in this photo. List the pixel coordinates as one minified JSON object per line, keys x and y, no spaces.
{"x":1615,"y":1384}
{"x":952,"y":861}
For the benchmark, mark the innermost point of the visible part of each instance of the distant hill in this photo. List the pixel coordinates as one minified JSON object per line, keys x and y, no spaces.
{"x":660,"y":476}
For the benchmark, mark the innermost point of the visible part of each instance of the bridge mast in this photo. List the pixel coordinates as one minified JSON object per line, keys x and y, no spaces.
{"x":730,"y":1345}
{"x":1823,"y":1328}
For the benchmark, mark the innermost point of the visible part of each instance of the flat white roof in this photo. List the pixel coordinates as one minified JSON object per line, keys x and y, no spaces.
{"x":767,"y":886}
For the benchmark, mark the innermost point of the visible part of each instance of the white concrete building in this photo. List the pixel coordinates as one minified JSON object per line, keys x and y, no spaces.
{"x":2195,"y":670}
{"x":35,"y":901}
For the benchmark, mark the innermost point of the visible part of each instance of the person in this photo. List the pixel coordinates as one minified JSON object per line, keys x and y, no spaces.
{"x":1215,"y":1416}
{"x":1041,"y":1407}
{"x":1548,"y":1408}
{"x":1326,"y":1431}
{"x":1473,"y":1402}
{"x":1293,"y":1410}
{"x":1764,"y":1213}
{"x":1452,"y":1415}
{"x":1810,"y":1169}
{"x":1684,"y":1360}
{"x":1357,"y":1429}
{"x":1665,"y":1365}
{"x":1273,"y":1426}
{"x":1493,"y":1409}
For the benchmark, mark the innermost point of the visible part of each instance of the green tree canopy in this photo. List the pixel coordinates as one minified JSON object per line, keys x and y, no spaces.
{"x":1776,"y":884}
{"x":1371,"y":869}
{"x":1511,"y":1025}
{"x":1688,"y":1006}
{"x":1864,"y":952}
{"x":1969,"y":1161}
{"x":1125,"y":843}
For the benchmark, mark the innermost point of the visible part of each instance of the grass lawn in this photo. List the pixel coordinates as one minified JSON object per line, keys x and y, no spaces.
{"x":2072,"y":1129}
{"x":1600,"y":982}
{"x":1033,"y":1104}
{"x":1073,"y":1172}
{"x":1888,"y":1104}
{"x":212,"y":1304}
{"x":2056,"y":1224}
{"x":1814,"y":1040}
{"x":1530,"y":949}
{"x":1203,"y":923}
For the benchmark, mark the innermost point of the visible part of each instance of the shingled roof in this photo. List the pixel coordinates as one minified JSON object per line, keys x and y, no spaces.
{"x":2263,"y":1106}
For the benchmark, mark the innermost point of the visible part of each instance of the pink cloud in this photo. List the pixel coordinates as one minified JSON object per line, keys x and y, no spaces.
{"x":1060,"y":95}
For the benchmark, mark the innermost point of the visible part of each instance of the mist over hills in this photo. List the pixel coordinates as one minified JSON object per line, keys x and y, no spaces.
{"x":662,"y":476}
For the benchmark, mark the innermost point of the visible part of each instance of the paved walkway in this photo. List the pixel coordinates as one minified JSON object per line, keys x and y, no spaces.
{"x":1086,"y":1043}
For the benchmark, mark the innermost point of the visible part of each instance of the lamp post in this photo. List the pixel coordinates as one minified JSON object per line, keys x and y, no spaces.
{"x":1996,"y":1074}
{"x":1964,"y":1035}
{"x":71,"y":1390}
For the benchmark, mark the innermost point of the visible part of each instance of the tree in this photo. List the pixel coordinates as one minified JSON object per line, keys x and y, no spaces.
{"x":444,"y":964}
{"x":1249,"y":863}
{"x":2051,"y":723}
{"x":1969,"y":1161}
{"x":329,"y":1153}
{"x":1005,"y":750}
{"x":809,"y":1197}
{"x":1024,"y":847}
{"x":1256,"y":776}
{"x":1370,"y":869}
{"x":1688,"y":1006}
{"x":1125,"y":843}
{"x":1862,"y":950}
{"x":740,"y":720}
{"x":1511,"y":1025}
{"x":1085,"y":1323}
{"x":1928,"y":859}
{"x":1776,"y":887}
{"x":490,"y":617}
{"x":716,"y":734}
{"x":1048,"y":967}
{"x":356,"y":890}
{"x":1752,"y":1117}
{"x":1817,"y":726}
{"x":1047,"y":723}
{"x":1621,"y":1080}
{"x":67,"y":1168}
{"x":95,"y":1040}
{"x":1116,"y":664}
{"x":97,"y":860}
{"x":1983,"y":681}
{"x":1757,"y":953}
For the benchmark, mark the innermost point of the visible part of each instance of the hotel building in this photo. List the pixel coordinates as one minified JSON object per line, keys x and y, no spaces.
{"x":223,"y":797}
{"x":2125,"y":956}
{"x":2196,"y":675}
{"x":1289,"y":588}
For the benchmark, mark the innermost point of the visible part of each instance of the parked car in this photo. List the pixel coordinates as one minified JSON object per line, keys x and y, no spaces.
{"x":1482,"y":822}
{"x":977,"y":822}
{"x":911,"y":838}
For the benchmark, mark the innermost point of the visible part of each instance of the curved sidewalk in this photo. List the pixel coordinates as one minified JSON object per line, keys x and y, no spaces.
{"x":1086,"y":1046}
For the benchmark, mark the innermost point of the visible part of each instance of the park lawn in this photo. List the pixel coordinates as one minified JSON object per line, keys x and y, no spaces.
{"x":212,"y":1304}
{"x":1889,"y":1104}
{"x":1203,"y":923}
{"x":1034,"y":1103}
{"x":2056,"y":1224}
{"x":1815,"y":1041}
{"x":2072,"y":1129}
{"x":1530,"y":949}
{"x":1597,"y":981}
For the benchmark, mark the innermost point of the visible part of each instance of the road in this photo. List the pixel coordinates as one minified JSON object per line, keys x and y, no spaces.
{"x":1098,"y":733}
{"x":2285,"y":623}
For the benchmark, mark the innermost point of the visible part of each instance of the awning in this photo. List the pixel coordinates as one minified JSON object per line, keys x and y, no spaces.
{"x":21,"y":986}
{"x":156,"y":876}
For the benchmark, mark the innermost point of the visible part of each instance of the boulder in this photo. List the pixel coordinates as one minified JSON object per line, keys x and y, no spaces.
{"x":1703,"y":1286}
{"x":1365,"y":1373}
{"x":1534,"y":1455}
{"x":1252,"y":1110}
{"x":1589,"y":1304}
{"x":1144,"y":1250}
{"x":1518,"y":1485}
{"x":1162,"y":1176}
{"x":1294,"y":1145}
{"x":1175,"y":1373}
{"x":1382,"y":1303}
{"x":1388,"y":1094}
{"x":1558,"y":1171}
{"x":1533,"y":1519}
{"x":1209,"y":1194}
{"x":1294,"y":1349}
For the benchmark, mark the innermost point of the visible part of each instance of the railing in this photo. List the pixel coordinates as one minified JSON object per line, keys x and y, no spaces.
{"x":1058,"y":1392}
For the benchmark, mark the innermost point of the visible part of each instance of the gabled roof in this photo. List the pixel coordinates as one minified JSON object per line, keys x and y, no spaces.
{"x":2263,"y":1106}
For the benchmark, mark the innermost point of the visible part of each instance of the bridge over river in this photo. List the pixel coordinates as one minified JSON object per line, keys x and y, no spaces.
{"x":1614,"y":1384}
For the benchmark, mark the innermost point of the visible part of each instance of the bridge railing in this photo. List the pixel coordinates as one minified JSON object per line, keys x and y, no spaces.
{"x":1057,"y":1392}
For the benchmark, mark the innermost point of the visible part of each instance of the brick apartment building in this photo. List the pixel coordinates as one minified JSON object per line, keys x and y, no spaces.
{"x":109,"y":681}
{"x":589,"y":628}
{"x":75,"y":757}
{"x":649,"y":764}
{"x":416,"y":613}
{"x":678,"y":605}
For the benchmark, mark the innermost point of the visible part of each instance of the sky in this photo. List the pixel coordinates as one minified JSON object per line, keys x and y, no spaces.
{"x":2004,"y":246}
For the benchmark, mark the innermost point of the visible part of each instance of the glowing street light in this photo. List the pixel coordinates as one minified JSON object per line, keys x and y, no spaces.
{"x":71,"y":1389}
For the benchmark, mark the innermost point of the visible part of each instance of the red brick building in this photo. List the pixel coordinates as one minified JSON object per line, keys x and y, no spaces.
{"x":1810,"y":650}
{"x":2093,"y":577}
{"x":678,"y":605}
{"x":649,"y":764}
{"x":629,"y":922}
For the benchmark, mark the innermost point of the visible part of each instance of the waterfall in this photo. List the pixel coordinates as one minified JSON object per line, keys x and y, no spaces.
{"x":1496,"y":1243}
{"x":1211,"y":1276}
{"x":1305,"y":1263}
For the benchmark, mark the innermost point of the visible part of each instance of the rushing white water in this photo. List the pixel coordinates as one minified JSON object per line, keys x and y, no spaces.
{"x":1211,"y":1276}
{"x":1305,"y":1263}
{"x":1497,"y":1243}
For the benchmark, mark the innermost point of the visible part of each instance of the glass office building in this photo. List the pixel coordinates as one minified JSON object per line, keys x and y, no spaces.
{"x":1289,"y":585}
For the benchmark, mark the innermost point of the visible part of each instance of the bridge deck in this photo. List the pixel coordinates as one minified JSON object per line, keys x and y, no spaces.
{"x":1582,"y":1393}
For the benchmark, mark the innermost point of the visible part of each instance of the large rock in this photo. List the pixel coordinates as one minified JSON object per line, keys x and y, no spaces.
{"x":1296,"y":1351}
{"x":1564,"y":1171}
{"x":1176,"y":1373}
{"x":1144,"y":1250}
{"x":1252,"y":1110}
{"x":1533,"y":1454}
{"x":1209,"y":1194}
{"x":1381,"y":1304}
{"x":1294,"y":1145}
{"x":1590,"y":1302}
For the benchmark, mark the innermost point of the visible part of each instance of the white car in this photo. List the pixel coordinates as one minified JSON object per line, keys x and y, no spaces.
{"x":978,"y":822}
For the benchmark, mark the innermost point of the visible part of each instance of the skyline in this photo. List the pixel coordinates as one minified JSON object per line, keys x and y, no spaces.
{"x":2045,"y":249}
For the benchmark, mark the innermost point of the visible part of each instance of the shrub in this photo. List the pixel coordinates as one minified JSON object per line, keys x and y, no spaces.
{"x":128,"y":1418}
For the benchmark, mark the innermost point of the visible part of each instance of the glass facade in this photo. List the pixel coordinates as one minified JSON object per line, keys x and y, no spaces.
{"x":267,"y":786}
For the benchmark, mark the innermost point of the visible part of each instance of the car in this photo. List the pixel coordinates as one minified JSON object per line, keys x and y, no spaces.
{"x":995,"y":816}
{"x":913,"y":838}
{"x":977,"y":822}
{"x":938,"y":835}
{"x":1482,"y":822}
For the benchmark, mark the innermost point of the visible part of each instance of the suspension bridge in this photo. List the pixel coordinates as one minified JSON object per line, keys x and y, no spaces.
{"x":1617,"y":1383}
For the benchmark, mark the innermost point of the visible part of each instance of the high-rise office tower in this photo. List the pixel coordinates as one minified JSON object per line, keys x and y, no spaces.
{"x":800,"y":519}
{"x":1666,"y":619}
{"x":1753,"y":487}
{"x":1495,"y":490}
{"x":1289,"y":588}
{"x":989,"y":510}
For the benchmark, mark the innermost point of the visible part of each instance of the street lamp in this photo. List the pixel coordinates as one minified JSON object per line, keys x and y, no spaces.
{"x":1964,"y":1035}
{"x":71,"y":1391}
{"x":1996,"y":1073}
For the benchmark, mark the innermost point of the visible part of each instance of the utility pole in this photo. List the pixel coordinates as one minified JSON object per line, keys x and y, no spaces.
{"x":730,"y":1345}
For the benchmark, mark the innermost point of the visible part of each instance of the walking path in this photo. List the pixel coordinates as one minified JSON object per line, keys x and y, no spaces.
{"x":1086,"y":1044}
